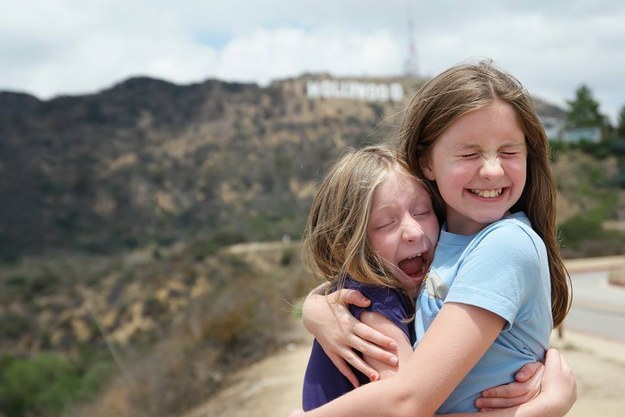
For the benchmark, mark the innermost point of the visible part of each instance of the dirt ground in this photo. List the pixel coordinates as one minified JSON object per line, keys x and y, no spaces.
{"x":599,"y":367}
{"x":272,"y":387}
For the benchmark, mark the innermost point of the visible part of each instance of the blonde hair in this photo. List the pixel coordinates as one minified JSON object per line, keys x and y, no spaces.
{"x":470,"y":86}
{"x":335,"y":241}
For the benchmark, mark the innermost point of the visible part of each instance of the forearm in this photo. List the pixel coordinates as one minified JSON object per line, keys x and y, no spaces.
{"x":456,"y":340}
{"x":541,"y":406}
{"x":381,"y":398}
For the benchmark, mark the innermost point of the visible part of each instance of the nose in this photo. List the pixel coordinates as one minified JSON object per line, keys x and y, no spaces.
{"x":491,"y":168}
{"x":414,"y":235}
{"x":412,"y":231}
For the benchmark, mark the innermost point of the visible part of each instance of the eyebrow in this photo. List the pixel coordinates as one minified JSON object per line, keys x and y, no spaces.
{"x":514,"y":144}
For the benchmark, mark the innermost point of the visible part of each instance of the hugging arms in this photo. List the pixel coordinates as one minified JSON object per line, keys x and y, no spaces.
{"x":548,"y":390}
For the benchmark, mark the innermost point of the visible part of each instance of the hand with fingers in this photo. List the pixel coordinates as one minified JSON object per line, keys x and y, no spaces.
{"x":552,"y":383}
{"x":555,"y":395}
{"x":558,"y":383}
{"x":526,"y":386}
{"x":341,"y":335}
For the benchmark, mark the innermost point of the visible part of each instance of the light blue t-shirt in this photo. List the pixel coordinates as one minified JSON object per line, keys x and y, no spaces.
{"x":503,"y":269}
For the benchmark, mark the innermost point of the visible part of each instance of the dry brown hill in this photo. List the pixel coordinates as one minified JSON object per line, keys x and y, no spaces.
{"x":151,"y":162}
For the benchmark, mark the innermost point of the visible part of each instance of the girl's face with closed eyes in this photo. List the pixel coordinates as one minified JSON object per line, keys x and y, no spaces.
{"x":479,"y":164}
{"x":403,"y":228}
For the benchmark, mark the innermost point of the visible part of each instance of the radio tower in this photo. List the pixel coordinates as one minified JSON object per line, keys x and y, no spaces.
{"x":411,"y":67}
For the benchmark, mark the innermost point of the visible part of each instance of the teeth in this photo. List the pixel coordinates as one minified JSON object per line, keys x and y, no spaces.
{"x":488,"y":193}
{"x":423,"y":266}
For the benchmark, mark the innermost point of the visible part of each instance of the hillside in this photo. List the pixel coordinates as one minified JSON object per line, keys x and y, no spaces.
{"x":150,"y":162}
{"x":150,"y":333}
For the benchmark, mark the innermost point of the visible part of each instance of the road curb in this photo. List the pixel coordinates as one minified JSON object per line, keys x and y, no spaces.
{"x":606,"y":263}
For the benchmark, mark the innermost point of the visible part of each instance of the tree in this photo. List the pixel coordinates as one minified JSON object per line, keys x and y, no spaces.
{"x":620,"y":124}
{"x":583,"y":110}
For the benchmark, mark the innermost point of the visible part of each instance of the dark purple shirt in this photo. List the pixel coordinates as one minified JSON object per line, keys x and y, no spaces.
{"x":323,"y":382}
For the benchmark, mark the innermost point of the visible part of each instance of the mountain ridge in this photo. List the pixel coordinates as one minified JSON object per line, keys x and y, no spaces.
{"x":148,"y":160}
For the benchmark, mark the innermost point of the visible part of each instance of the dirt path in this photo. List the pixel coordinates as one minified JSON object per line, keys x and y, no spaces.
{"x":599,"y":367}
{"x":271,"y":387}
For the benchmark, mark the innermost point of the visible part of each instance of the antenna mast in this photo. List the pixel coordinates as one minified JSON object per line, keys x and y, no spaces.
{"x":411,"y":68}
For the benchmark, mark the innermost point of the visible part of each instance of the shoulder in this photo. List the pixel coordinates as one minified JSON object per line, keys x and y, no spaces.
{"x":390,"y":303}
{"x":376,"y":293}
{"x":513,"y":235}
{"x":509,"y":246}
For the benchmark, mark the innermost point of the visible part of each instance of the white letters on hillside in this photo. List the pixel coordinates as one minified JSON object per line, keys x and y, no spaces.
{"x":354,"y":90}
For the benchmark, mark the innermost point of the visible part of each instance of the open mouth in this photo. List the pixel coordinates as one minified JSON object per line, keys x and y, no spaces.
{"x":496,"y":192}
{"x":413,"y":266}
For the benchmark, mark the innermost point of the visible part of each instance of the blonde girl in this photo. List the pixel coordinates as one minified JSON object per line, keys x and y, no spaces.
{"x":371,"y":227}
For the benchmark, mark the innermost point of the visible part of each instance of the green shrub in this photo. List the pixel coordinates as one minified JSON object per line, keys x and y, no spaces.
{"x":46,"y":384}
{"x":227,"y":238}
{"x":580,"y":228}
{"x":287,"y":256}
{"x":16,"y":281}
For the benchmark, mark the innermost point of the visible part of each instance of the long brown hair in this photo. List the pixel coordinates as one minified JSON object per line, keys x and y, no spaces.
{"x":468,"y":87}
{"x":335,"y":239}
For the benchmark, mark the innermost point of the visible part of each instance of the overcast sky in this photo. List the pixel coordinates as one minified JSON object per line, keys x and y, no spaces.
{"x":53,"y":47}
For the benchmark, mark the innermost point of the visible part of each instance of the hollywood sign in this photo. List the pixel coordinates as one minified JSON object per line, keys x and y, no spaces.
{"x":354,"y":90}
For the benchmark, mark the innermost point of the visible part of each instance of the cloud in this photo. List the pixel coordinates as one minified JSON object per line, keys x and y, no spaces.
{"x":69,"y":47}
{"x":103,"y":58}
{"x":285,"y":52}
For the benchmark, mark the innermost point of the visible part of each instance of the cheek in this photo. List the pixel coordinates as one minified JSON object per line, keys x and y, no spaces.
{"x":434,"y":232}
{"x":450,"y":186}
{"x":377,"y":242}
{"x":517,"y":170}
{"x":385,"y":247}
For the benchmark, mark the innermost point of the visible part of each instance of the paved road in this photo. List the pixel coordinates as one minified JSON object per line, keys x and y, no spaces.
{"x":598,"y":308}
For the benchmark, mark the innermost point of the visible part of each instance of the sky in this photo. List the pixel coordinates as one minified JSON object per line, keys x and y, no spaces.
{"x":69,"y":47}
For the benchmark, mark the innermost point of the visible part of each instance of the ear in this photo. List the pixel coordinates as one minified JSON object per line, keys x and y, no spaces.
{"x":424,"y":163}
